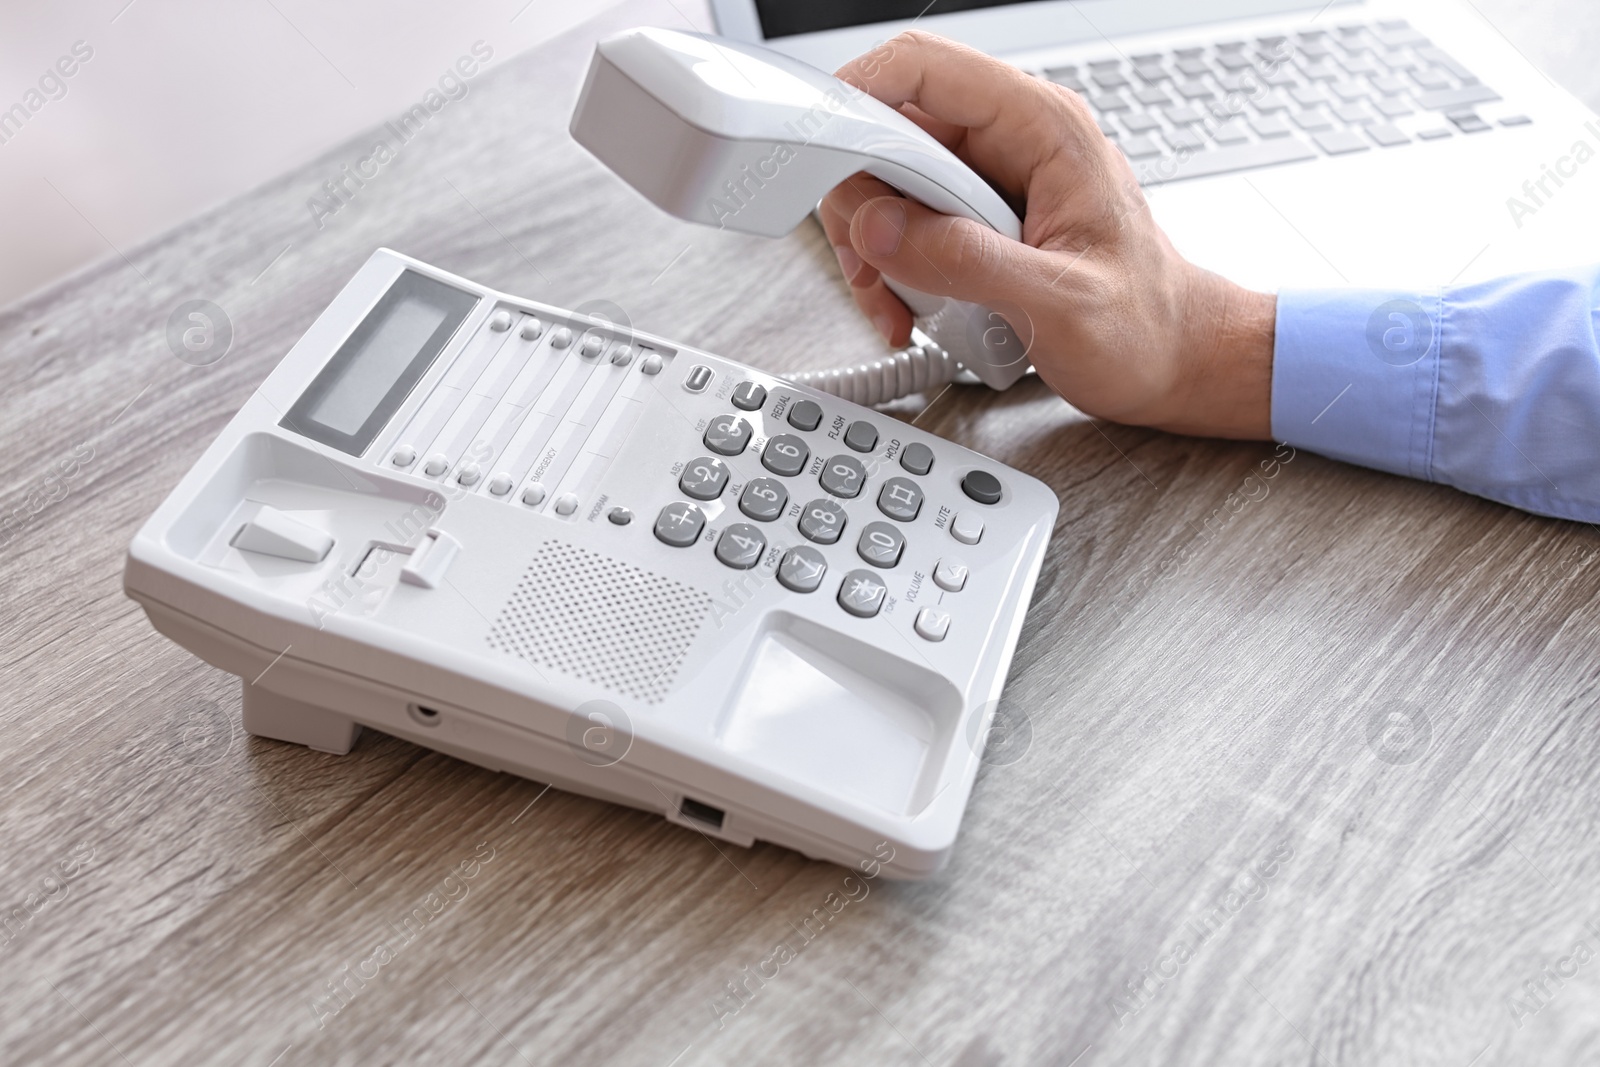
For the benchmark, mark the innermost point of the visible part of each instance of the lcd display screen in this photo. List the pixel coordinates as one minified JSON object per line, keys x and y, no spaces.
{"x":367,"y":380}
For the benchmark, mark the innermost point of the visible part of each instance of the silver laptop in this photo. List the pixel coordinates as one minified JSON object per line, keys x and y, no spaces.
{"x":1394,"y":143}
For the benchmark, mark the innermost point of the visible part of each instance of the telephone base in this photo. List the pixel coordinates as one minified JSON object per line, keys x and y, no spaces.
{"x":282,"y":719}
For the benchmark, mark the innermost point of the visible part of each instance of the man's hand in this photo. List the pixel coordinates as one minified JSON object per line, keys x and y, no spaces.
{"x":1114,"y":319}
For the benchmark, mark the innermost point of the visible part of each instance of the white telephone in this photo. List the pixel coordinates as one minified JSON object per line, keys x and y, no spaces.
{"x":601,"y":559}
{"x":738,"y":136}
{"x":551,"y":545}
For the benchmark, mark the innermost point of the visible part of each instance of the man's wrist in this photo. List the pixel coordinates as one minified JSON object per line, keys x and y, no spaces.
{"x":1224,"y":383}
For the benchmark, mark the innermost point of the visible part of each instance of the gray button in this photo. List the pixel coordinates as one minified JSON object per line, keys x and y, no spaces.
{"x":861,"y":436}
{"x":763,"y":499}
{"x":881,"y":544}
{"x":822,"y":521}
{"x":620,"y":516}
{"x":982,"y":487}
{"x":704,"y":478}
{"x":802,"y":569}
{"x":805,"y":415}
{"x":651,"y":364}
{"x":728,"y":435}
{"x":698,"y":379}
{"x":861,"y":594}
{"x":741,"y":546}
{"x":679,"y":524}
{"x":917,"y":458}
{"x":900,"y":498}
{"x":844,"y":476}
{"x":749,"y":396}
{"x":785,"y":454}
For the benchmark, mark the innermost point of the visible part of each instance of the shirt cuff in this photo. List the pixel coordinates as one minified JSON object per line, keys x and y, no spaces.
{"x":1355,"y":374}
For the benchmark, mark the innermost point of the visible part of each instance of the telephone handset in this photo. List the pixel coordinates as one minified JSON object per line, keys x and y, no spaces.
{"x":744,"y":138}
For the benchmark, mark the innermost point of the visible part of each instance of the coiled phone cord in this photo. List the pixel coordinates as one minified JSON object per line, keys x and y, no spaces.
{"x":878,"y":381}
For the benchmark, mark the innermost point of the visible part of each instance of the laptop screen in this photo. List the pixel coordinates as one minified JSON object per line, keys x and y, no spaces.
{"x":786,"y":18}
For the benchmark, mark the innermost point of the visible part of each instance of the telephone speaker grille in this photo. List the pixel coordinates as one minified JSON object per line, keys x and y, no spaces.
{"x":601,"y":620}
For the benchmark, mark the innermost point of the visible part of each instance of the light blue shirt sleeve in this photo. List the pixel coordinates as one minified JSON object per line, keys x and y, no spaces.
{"x":1492,"y":388}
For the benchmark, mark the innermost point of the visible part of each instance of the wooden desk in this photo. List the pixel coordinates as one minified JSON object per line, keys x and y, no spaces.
{"x":1175,"y":729}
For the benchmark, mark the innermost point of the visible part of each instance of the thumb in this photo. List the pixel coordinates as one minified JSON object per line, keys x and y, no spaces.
{"x":935,"y":253}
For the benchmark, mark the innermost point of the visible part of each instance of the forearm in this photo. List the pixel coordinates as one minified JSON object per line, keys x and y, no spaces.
{"x":1492,"y":388}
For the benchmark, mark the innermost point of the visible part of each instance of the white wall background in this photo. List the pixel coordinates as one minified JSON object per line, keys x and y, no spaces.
{"x":186,"y":103}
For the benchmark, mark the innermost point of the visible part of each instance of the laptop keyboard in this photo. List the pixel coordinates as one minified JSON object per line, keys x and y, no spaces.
{"x":1237,"y":104}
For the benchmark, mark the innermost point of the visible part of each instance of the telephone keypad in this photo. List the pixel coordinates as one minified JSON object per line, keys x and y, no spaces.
{"x":704,"y":478}
{"x":785,"y":454}
{"x":822,"y":521}
{"x":743,"y":545}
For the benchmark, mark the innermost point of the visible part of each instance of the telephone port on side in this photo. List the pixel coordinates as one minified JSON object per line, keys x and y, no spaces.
{"x":701,"y":812}
{"x":426,"y":716}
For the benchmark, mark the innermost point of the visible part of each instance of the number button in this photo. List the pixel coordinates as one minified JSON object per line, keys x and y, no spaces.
{"x":704,"y":478}
{"x":802,"y":569}
{"x":679,"y":524}
{"x":763,"y":499}
{"x":749,"y":396}
{"x":844,"y":476}
{"x":917,"y":458}
{"x":805,"y":415}
{"x":728,"y":435}
{"x":861,"y":436}
{"x":862,"y":593}
{"x":741,"y":546}
{"x":880,"y":544}
{"x":822,"y":521}
{"x":900,"y":498}
{"x":785,"y":454}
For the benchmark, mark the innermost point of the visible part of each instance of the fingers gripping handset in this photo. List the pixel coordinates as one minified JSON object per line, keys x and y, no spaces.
{"x":741,"y":137}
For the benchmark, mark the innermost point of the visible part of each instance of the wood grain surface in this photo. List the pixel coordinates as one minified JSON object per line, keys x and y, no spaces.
{"x":1314,"y":782}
